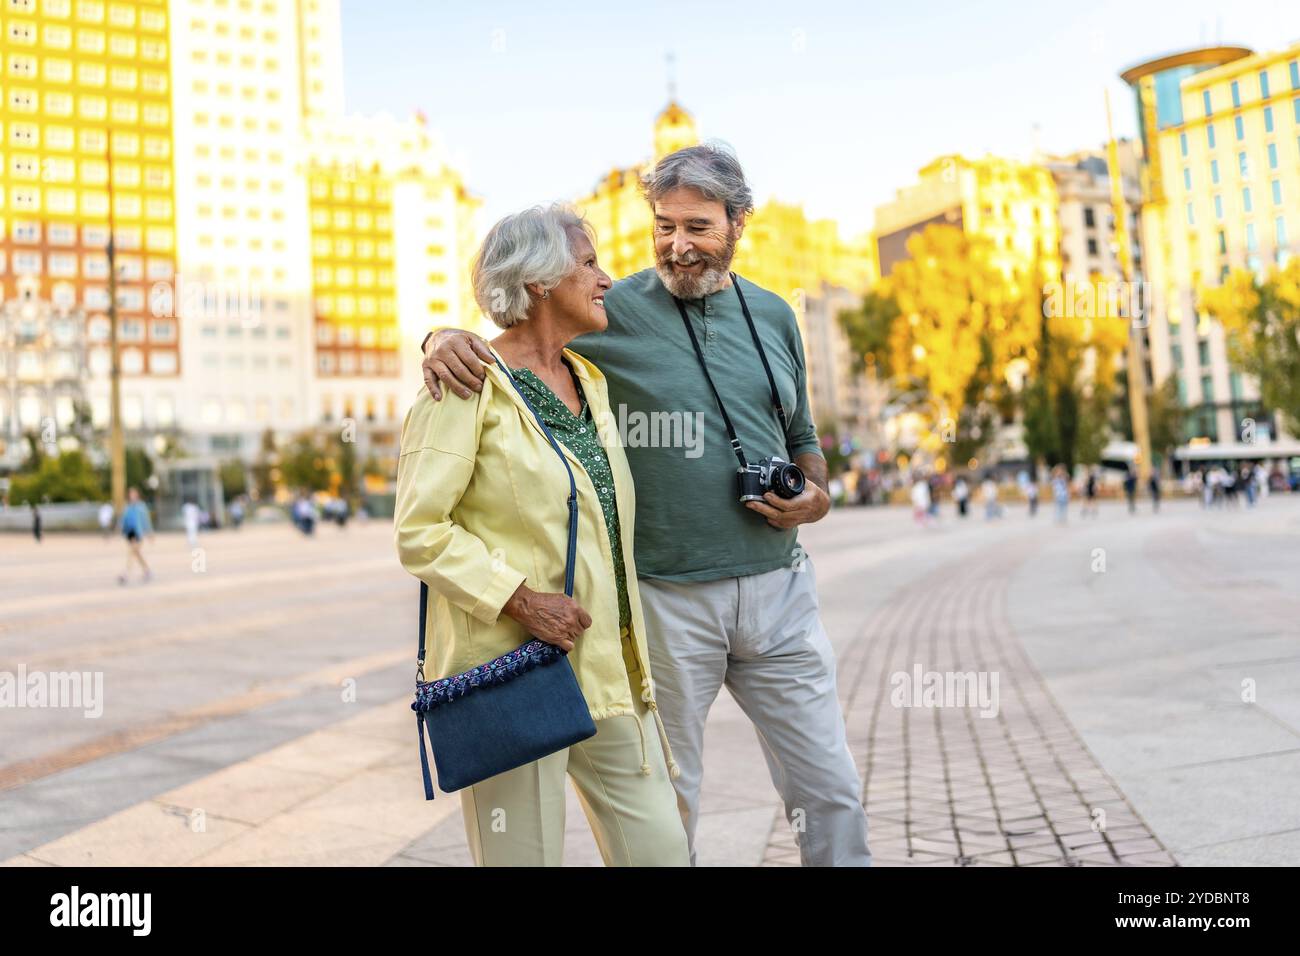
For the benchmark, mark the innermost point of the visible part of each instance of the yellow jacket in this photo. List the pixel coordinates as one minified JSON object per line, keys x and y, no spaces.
{"x":482,"y":508}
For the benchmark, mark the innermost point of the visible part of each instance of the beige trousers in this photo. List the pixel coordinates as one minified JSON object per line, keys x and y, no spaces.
{"x":517,"y":818}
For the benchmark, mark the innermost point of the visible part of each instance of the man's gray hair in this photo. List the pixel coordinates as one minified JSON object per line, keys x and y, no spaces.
{"x":533,"y":246}
{"x":711,"y":169}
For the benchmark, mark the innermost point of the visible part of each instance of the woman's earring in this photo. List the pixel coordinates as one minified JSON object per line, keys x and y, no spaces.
{"x":546,"y":294}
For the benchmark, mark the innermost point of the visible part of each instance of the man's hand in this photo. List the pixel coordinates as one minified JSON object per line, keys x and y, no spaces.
{"x":556,"y":618}
{"x":455,"y":358}
{"x":811,"y":505}
{"x":786,"y":513}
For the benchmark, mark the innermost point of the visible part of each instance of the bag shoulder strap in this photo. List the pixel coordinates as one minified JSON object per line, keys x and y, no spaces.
{"x":572,"y":554}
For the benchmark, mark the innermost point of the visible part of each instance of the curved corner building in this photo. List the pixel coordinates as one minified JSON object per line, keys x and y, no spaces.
{"x":1220,"y":134}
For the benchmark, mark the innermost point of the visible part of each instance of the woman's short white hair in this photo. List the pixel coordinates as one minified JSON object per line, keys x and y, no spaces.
{"x":533,"y":246}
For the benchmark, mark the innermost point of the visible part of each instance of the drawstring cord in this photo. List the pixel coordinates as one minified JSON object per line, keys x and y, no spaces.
{"x":645,"y":760}
{"x":674,"y":771}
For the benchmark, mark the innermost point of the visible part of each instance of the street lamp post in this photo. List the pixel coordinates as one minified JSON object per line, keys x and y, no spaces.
{"x":116,"y":442}
{"x":1137,"y":378}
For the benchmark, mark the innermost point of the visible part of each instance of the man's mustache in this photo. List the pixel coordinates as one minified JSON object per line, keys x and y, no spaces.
{"x":688,"y":259}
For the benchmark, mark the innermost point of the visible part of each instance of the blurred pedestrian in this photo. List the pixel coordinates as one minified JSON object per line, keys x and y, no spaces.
{"x":961,"y":494}
{"x":190,"y":517}
{"x":1130,"y":489}
{"x":135,"y":525}
{"x":989,"y":494}
{"x":1154,"y":484}
{"x":1089,"y":508}
{"x":1061,"y":493}
{"x":237,"y":512}
{"x":36,"y":522}
{"x":304,"y":514}
{"x":921,"y":501}
{"x":1031,"y":495}
{"x":106,"y":520}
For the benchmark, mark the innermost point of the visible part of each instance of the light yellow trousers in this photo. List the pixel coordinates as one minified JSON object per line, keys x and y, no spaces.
{"x":517,"y":818}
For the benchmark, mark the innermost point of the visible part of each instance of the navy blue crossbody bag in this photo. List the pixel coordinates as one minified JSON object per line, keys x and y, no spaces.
{"x":512,"y":710}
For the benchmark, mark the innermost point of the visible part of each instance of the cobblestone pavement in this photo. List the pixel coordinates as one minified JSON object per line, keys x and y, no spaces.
{"x":256,"y":700}
{"x":960,"y":785}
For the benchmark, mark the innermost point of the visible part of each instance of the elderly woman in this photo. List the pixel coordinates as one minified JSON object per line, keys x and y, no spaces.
{"x":482,"y":518}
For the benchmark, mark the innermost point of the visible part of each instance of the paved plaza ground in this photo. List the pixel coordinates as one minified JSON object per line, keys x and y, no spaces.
{"x":256,"y":697}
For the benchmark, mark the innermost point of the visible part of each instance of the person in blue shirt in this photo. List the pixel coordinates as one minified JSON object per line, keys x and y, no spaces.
{"x":135,"y":525}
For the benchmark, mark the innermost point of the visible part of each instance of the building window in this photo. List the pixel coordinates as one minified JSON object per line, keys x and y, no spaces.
{"x":1295,"y":74}
{"x":1223,"y":243}
{"x":1277,"y":192}
{"x":1205,"y":98}
{"x":1268,"y":119}
{"x":1209,"y":134}
{"x":1243,"y":165}
{"x":1218,"y":207}
{"x":163,"y":363}
{"x":1245,"y":200}
{"x":1187,"y":179}
{"x":1236,"y":94}
{"x":1240,"y":126}
{"x":1214,"y":171}
{"x":1182,"y":137}
{"x":1207,"y":389}
{"x":1191,"y":219}
{"x":1252,"y":242}
{"x":1092,"y":247}
{"x":1272,"y":155}
{"x":1263,"y":84}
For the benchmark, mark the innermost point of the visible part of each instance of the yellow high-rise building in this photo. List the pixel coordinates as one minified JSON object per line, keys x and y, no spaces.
{"x":390,"y":227}
{"x":87,"y":133}
{"x":1011,"y":204}
{"x":1220,"y":131}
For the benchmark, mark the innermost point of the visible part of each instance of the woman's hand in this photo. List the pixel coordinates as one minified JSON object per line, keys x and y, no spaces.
{"x":555,"y":618}
{"x":456,"y":359}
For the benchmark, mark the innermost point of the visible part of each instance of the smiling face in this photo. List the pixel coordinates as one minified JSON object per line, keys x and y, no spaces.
{"x":580,"y":296}
{"x":694,"y":242}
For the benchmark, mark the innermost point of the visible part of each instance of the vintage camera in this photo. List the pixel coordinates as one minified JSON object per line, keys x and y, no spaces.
{"x":777,"y":475}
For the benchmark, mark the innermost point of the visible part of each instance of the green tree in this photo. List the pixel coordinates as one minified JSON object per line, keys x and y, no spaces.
{"x":1262,"y":322}
{"x":346,"y":462}
{"x":305,"y":464}
{"x":234,"y":479}
{"x":1166,"y":417}
{"x":867,"y":328}
{"x":1069,"y":391}
{"x":264,"y":468}
{"x":67,"y":477}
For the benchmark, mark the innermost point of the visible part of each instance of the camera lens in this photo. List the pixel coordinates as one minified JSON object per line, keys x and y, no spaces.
{"x":788,"y":482}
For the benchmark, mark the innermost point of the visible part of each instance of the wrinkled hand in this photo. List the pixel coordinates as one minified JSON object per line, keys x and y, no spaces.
{"x":785,"y":513}
{"x":556,"y":618}
{"x":455,"y":358}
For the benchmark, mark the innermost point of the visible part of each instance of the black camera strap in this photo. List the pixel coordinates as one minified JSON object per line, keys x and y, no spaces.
{"x":771,"y":381}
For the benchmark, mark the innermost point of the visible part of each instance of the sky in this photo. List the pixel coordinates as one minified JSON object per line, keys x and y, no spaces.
{"x":835,"y":105}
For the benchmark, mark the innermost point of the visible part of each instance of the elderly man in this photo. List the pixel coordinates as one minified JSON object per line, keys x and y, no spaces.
{"x":729,"y":597}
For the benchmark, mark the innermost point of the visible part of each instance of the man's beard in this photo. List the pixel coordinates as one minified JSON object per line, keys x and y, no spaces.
{"x":710,"y":279}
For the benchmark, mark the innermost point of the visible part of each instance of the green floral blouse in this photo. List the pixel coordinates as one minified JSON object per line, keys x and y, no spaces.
{"x":578,"y":433}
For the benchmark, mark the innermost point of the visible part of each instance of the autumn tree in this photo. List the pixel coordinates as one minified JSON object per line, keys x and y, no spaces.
{"x":947,"y":323}
{"x":1070,"y":386}
{"x":1262,"y":323}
